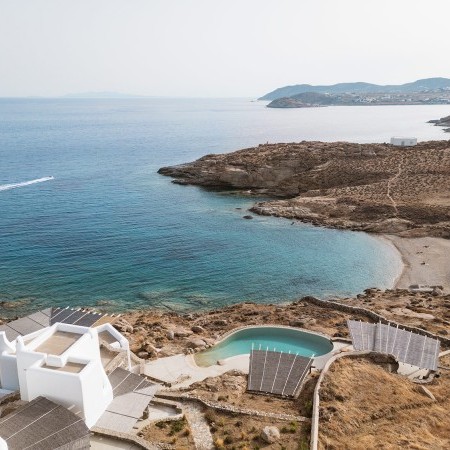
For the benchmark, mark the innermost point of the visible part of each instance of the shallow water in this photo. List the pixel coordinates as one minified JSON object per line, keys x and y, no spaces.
{"x":109,"y":230}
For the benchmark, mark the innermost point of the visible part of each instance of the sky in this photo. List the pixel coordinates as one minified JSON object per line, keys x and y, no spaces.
{"x":216,"y":48}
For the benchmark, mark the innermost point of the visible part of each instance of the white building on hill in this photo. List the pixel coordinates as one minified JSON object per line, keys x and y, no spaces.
{"x":403,"y":141}
{"x":63,"y":363}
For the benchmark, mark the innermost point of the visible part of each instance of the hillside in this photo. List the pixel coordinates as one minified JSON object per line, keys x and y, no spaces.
{"x":366,"y":187}
{"x":363,"y":405}
{"x":426,"y":84}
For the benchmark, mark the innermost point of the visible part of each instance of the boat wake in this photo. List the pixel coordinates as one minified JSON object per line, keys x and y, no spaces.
{"x":7,"y":187}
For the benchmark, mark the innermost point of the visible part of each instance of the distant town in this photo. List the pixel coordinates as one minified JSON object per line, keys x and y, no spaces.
{"x":315,"y":99}
{"x":429,"y":91}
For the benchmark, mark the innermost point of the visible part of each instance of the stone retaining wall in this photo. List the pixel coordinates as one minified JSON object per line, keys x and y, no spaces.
{"x":125,"y":437}
{"x":316,"y":397}
{"x":233,"y":409}
{"x":372,"y":315}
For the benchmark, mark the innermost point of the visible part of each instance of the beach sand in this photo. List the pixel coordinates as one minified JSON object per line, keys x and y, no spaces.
{"x":426,"y":261}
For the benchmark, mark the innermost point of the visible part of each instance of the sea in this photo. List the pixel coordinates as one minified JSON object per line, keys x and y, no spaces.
{"x":85,"y":220}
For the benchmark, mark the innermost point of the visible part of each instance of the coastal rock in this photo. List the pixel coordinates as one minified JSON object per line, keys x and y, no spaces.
{"x":270,"y":435}
{"x":423,"y":390}
{"x":170,"y":335}
{"x":123,"y":326}
{"x":198,"y":329}
{"x":442,"y":122}
{"x":302,"y":322}
{"x":182,"y":332}
{"x":150,"y":348}
{"x":437,"y":292}
{"x":195,"y":343}
{"x":376,"y":188}
{"x":221,"y":322}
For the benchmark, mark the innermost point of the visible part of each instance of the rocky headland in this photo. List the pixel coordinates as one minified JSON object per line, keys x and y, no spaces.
{"x":442,"y":122}
{"x":376,"y":188}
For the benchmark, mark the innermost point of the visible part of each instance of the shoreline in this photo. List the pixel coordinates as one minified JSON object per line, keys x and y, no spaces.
{"x":425,"y":261}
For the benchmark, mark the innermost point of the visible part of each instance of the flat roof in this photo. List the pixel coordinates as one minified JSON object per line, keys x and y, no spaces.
{"x":107,"y":337}
{"x":48,"y":316}
{"x":71,"y":367}
{"x":58,"y":342}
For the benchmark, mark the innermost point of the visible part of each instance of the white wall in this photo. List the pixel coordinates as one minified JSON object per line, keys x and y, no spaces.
{"x":8,"y":372}
{"x":88,"y":390}
{"x":403,"y":141}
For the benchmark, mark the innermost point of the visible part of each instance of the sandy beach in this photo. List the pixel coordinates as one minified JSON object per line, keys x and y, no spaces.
{"x":426,"y":261}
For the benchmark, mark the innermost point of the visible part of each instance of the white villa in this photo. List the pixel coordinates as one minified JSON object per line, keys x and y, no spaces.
{"x":63,"y":363}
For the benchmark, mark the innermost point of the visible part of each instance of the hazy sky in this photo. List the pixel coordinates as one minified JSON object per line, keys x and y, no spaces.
{"x":212,"y":48}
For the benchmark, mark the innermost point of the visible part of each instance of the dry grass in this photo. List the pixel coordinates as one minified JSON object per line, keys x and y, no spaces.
{"x":175,"y":433}
{"x":364,"y":406}
{"x":230,"y":389}
{"x":237,"y":431}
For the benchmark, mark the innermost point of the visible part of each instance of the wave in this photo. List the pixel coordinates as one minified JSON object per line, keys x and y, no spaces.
{"x":7,"y":187}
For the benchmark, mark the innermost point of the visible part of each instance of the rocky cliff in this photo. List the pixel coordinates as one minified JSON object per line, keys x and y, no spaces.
{"x":367,"y":187}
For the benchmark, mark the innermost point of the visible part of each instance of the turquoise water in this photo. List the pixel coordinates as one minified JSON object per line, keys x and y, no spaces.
{"x":266,"y":338}
{"x":109,"y":231}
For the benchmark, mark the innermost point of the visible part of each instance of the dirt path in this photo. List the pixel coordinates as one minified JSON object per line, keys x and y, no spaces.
{"x":392,"y":180}
{"x":199,"y":426}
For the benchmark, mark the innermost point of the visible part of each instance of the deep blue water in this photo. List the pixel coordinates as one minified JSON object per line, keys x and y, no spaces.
{"x":109,"y":228}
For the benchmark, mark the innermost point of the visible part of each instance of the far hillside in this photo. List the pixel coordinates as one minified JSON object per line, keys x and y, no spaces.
{"x":424,"y":85}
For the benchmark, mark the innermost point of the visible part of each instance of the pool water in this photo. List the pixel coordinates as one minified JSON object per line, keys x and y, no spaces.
{"x":271,"y":338}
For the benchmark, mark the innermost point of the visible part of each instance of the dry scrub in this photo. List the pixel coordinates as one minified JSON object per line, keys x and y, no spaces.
{"x":364,"y":406}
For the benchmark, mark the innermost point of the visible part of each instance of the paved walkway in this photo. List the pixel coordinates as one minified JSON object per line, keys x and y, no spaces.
{"x":199,"y":426}
{"x":106,"y":443}
{"x":181,"y":371}
{"x":389,"y":185}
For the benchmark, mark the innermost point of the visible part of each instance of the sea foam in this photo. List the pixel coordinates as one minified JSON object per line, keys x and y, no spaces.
{"x":7,"y":187}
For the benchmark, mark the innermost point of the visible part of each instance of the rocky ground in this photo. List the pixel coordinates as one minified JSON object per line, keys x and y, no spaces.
{"x":155,"y":334}
{"x":230,"y":389}
{"x":367,"y":187}
{"x":428,"y":311}
{"x":362,"y":405}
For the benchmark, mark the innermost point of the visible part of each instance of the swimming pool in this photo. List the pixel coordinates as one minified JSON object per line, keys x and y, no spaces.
{"x":283,"y":339}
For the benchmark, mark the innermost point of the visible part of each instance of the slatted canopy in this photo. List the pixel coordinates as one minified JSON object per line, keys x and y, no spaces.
{"x":277,"y":373}
{"x":44,"y":425}
{"x":132,"y":394}
{"x":49,"y":316}
{"x":410,"y":348}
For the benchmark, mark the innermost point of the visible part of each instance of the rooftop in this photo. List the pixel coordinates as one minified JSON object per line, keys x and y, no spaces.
{"x":71,"y":367}
{"x":42,"y":425}
{"x":58,"y":343}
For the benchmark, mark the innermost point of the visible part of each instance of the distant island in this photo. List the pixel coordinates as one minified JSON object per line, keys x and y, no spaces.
{"x":102,"y":94}
{"x":430,"y":91}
